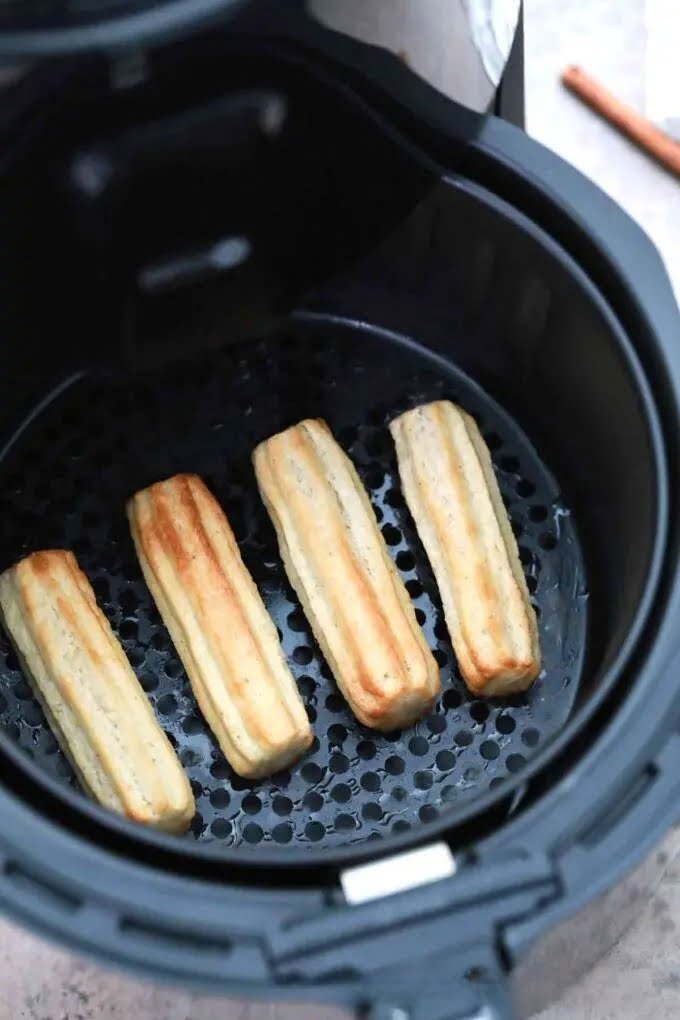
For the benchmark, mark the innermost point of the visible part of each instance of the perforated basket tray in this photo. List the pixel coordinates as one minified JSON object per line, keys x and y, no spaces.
{"x":66,"y":481}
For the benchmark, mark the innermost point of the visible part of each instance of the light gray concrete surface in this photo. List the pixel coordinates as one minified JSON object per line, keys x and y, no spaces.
{"x":640,"y":978}
{"x":607,"y":38}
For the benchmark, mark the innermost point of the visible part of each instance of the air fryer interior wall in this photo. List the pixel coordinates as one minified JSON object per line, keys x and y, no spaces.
{"x":464,"y":295}
{"x":465,"y":278}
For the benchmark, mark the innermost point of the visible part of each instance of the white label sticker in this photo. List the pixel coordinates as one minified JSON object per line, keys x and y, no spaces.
{"x":396,"y":874}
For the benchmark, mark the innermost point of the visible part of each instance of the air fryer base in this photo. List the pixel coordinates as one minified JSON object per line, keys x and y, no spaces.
{"x":557,"y":963}
{"x":612,"y":785}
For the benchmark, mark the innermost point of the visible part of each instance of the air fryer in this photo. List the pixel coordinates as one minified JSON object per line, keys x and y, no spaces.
{"x":265,"y":221}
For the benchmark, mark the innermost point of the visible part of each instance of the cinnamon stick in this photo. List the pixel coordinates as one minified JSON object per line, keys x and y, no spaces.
{"x":655,"y":142}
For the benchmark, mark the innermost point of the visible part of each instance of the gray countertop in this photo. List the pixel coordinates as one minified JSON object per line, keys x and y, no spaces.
{"x":607,"y":38}
{"x":640,"y":978}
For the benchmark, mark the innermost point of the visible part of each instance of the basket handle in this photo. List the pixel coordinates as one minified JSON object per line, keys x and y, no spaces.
{"x":417,"y":940}
{"x":445,"y":1003}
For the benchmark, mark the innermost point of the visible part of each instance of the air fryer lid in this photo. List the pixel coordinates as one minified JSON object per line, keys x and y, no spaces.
{"x":31,"y":28}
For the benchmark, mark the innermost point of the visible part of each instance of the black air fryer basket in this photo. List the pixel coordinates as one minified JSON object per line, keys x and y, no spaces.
{"x":439,"y":255}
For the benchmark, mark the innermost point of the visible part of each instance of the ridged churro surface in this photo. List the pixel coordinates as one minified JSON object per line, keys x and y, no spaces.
{"x":451,"y":490}
{"x":219,"y":625}
{"x":336,"y":559}
{"x":91,"y":697}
